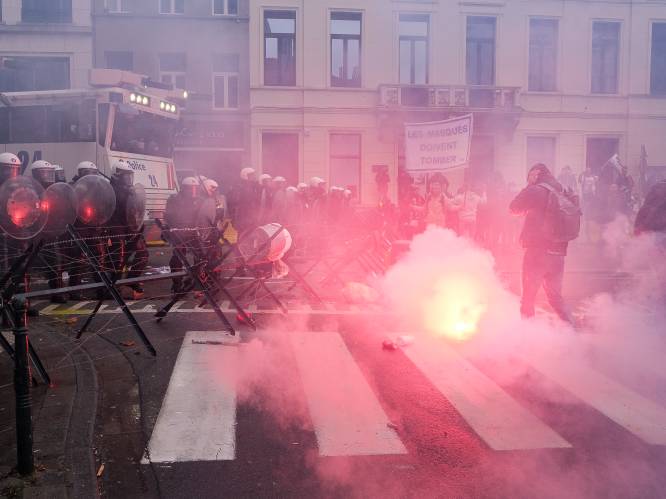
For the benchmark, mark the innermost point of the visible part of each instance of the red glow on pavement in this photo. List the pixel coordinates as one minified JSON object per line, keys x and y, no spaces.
{"x":455,"y":308}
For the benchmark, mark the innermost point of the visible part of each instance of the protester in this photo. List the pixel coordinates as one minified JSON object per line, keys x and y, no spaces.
{"x":589,"y":203}
{"x":437,"y":203}
{"x":549,"y":218}
{"x":567,"y":179}
{"x":652,"y":215}
{"x":467,"y":205}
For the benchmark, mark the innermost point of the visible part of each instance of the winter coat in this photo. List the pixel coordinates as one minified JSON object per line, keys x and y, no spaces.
{"x":532,"y":202}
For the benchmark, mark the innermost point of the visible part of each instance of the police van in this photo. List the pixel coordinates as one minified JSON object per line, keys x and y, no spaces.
{"x":122,"y":116}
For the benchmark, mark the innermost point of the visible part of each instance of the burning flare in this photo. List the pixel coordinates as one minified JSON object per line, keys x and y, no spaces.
{"x":455,"y":307}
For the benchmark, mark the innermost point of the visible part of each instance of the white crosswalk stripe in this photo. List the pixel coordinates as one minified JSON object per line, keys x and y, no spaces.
{"x":197,"y":421}
{"x":348,"y":419}
{"x":641,"y":416}
{"x":497,"y":418}
{"x":183,"y":307}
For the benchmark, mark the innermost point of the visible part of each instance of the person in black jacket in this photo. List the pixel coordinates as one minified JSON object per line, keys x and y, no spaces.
{"x":543,"y":262}
{"x":652,"y":215}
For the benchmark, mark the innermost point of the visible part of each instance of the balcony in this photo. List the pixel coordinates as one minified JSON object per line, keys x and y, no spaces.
{"x":454,"y":97}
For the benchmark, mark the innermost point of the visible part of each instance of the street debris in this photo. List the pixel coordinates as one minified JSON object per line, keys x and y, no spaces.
{"x":72,"y":320}
{"x":389,"y":345}
{"x":100,"y":470}
{"x":128,"y":343}
{"x":404,"y":340}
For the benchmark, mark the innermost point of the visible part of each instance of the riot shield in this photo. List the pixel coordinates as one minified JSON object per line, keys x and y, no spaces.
{"x":96,"y":200}
{"x":135,"y":207}
{"x":61,"y":204}
{"x":22,"y":215}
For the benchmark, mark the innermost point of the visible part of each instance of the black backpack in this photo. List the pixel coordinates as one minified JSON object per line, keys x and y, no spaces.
{"x":562,"y":221}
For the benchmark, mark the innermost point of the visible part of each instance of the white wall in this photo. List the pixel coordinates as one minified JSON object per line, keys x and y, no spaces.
{"x":571,"y":113}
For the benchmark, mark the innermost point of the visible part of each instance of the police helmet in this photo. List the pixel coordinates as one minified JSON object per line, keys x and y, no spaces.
{"x":210,"y":186}
{"x":122,"y":172}
{"x":60,"y":174}
{"x":247,"y":173}
{"x":86,"y":168}
{"x":10,"y":166}
{"x":317,"y":182}
{"x":264,"y":178}
{"x":189,"y":187}
{"x":42,"y":171}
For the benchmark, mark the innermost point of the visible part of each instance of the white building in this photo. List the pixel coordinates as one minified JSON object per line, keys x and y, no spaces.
{"x":45,"y":44}
{"x":564,"y":82}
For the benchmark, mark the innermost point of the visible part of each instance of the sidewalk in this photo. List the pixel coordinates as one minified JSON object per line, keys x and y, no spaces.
{"x":63,"y":419}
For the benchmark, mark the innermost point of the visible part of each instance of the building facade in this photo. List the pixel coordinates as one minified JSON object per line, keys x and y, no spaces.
{"x":200,"y":46}
{"x":45,"y":44}
{"x":561,"y":82}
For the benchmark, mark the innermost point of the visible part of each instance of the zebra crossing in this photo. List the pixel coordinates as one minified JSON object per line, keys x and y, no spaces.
{"x":197,"y":420}
{"x":192,"y":307}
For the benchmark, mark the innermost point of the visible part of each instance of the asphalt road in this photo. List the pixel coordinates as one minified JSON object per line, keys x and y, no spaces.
{"x":312,"y":406}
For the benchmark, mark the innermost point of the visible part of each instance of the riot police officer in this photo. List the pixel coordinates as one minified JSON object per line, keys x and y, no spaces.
{"x":60,"y":174}
{"x":44,"y":173}
{"x":181,"y":215}
{"x":128,"y":245}
{"x":77,"y":264}
{"x":41,"y":171}
{"x":10,"y":167}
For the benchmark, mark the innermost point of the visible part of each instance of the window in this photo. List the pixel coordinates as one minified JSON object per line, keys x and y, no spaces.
{"x":540,"y":150}
{"x":172,"y":69}
{"x":67,"y":122}
{"x":345,"y":160}
{"x":658,"y":60}
{"x":46,"y":11}
{"x":413,"y":42}
{"x":119,"y":60}
{"x":225,"y":7}
{"x":102,"y":123}
{"x":279,"y":155}
{"x":225,"y":81}
{"x":480,"y":50}
{"x":142,"y":133}
{"x":605,"y":56}
{"x":172,"y":6}
{"x":117,"y":6}
{"x":20,"y":74}
{"x":280,"y":47}
{"x":345,"y":49}
{"x":543,"y":55}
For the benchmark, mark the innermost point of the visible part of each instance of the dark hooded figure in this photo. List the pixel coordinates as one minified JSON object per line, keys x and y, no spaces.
{"x":652,"y":215}
{"x":543,"y":262}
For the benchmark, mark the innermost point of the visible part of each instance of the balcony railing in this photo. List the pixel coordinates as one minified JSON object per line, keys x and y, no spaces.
{"x":448,"y":96}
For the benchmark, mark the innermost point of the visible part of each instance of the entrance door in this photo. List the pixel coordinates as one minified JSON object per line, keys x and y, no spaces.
{"x":279,"y":155}
{"x":600,"y":150}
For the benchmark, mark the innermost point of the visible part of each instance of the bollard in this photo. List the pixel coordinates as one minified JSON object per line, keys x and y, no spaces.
{"x":22,"y":380}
